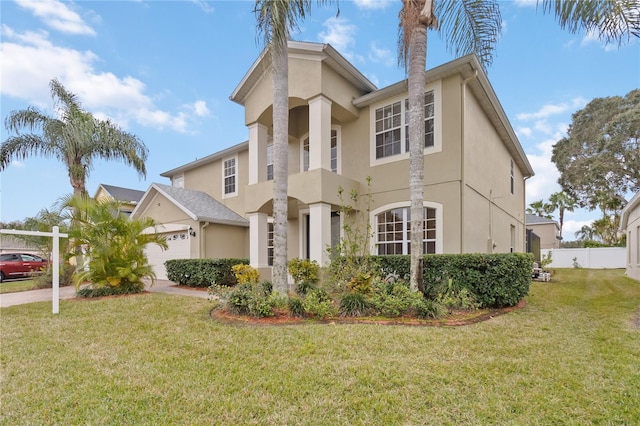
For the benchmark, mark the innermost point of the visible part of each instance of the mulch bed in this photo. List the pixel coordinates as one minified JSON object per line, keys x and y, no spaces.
{"x":282,"y":318}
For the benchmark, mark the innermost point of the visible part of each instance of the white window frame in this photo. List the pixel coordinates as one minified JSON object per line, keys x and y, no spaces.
{"x":225,"y":176}
{"x":305,"y":167}
{"x":338,"y":130}
{"x":373,"y":220}
{"x":177,"y":181}
{"x":269,"y":160}
{"x":512,"y":182}
{"x":436,"y":88}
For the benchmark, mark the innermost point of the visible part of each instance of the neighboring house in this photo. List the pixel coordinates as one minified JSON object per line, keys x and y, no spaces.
{"x":547,"y":229}
{"x":128,"y":197}
{"x":342,"y":130}
{"x":12,"y":244}
{"x":630,"y":224}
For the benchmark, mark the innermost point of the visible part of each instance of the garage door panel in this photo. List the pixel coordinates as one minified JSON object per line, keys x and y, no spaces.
{"x":179,"y":247}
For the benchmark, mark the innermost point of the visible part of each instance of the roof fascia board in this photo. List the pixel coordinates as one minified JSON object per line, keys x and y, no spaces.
{"x":208,"y":159}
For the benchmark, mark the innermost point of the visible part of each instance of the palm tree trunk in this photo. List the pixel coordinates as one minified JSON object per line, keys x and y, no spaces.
{"x":417,"y":65}
{"x":280,"y":70}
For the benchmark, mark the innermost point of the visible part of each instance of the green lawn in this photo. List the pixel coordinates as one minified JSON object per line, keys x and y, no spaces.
{"x":571,"y":356}
{"x":14,"y":286}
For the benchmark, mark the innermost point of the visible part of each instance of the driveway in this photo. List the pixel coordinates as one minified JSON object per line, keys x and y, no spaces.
{"x":46,"y":294}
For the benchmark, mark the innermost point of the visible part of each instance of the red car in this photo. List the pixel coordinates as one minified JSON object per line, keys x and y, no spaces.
{"x":14,"y":265}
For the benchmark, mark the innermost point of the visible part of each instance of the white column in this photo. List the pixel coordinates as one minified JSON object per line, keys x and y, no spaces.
{"x":258,"y":240}
{"x":257,"y":153}
{"x":320,"y":133}
{"x":319,"y":232}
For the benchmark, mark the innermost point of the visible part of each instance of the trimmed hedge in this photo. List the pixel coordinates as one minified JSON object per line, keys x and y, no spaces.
{"x":497,"y":280}
{"x":202,"y":272}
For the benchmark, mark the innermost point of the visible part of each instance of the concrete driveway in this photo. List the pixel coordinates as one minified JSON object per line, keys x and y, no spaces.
{"x":46,"y":294}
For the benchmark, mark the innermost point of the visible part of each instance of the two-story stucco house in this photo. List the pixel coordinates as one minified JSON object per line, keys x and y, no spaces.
{"x":342,"y":130}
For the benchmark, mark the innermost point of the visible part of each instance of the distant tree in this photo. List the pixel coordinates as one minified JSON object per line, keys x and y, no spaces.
{"x":600,"y":157}
{"x":540,"y":208}
{"x":562,"y":202}
{"x":44,"y":221}
{"x":76,"y":138}
{"x":585,"y":233}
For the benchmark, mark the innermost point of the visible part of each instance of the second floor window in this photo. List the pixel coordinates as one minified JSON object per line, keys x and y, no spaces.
{"x":270,"y":162}
{"x":334,"y":150}
{"x":512,"y":179}
{"x":392,"y":127}
{"x":229,"y":171}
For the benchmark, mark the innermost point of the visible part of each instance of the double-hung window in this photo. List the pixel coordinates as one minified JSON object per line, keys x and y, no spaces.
{"x":229,"y":178}
{"x":391,"y":128}
{"x":270,"y":162}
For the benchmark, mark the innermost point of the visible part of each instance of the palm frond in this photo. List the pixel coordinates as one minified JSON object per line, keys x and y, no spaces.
{"x":614,"y":21}
{"x":470,"y":26}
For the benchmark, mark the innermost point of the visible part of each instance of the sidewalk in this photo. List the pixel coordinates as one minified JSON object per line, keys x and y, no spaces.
{"x":69,"y":292}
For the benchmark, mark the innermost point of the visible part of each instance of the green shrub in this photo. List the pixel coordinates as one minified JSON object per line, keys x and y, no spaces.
{"x":303,"y":270}
{"x":429,"y":309}
{"x":245,"y":274}
{"x":457,"y":297}
{"x":394,"y":300}
{"x":203,"y":272}
{"x":90,"y":292}
{"x":255,"y":300}
{"x":496,"y":280}
{"x":65,"y":277}
{"x":296,"y":306}
{"x":318,"y":304}
{"x":353,"y":305}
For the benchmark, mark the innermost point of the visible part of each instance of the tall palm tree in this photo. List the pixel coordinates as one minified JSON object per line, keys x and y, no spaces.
{"x":76,"y":138}
{"x":563,"y":202}
{"x":473,"y":26}
{"x":276,"y":21}
{"x":585,"y":233}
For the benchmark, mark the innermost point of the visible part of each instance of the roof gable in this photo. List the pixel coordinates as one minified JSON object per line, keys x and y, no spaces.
{"x":119,"y":193}
{"x":198,"y":205}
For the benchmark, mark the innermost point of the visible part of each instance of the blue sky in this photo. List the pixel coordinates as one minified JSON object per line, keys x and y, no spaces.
{"x":164,"y":71}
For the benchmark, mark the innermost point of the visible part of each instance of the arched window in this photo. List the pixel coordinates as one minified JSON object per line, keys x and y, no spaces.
{"x":393,"y":231}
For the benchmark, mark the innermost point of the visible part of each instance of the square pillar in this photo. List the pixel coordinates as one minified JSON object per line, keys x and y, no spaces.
{"x":257,"y":153}
{"x":258,"y":229}
{"x":320,"y":133}
{"x":319,"y":232}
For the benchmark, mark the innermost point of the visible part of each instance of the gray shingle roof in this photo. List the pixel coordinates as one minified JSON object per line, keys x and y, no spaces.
{"x":532,"y":219}
{"x":201,"y":206}
{"x":123,"y":194}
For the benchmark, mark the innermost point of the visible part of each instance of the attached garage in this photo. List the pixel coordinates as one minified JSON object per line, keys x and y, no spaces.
{"x":179,"y":247}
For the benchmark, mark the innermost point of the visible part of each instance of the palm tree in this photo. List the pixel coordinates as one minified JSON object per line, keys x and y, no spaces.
{"x":585,"y":233}
{"x":473,"y":26}
{"x":75,"y":138}
{"x":562,"y":202}
{"x":276,"y":20}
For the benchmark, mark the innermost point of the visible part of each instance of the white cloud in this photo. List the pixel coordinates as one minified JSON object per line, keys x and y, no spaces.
{"x":57,"y":16}
{"x":381,"y":55}
{"x":200,"y":108}
{"x":103,"y":93}
{"x":373,"y":4}
{"x":339,"y":34}
{"x":526,"y":3}
{"x":524,"y":131}
{"x":549,"y":110}
{"x":16,"y":163}
{"x":571,"y":226}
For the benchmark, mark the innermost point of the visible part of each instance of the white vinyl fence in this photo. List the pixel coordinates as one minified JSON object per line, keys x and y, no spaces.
{"x":593,"y":258}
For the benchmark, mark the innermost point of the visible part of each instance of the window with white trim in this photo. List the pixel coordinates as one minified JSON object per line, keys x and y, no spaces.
{"x":270,"y":162}
{"x":305,"y":154}
{"x":513,"y":181}
{"x":393,"y":234}
{"x":270,"y":243}
{"x":392,"y":127}
{"x":229,"y":173}
{"x":334,"y":150}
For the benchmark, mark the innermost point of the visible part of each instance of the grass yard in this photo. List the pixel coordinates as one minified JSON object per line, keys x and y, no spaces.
{"x":13,"y":286}
{"x":571,"y":356}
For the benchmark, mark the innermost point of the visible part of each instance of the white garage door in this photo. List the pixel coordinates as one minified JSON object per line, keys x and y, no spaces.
{"x":179,"y":248}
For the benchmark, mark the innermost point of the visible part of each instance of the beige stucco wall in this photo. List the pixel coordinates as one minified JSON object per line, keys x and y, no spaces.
{"x":633,"y":243}
{"x":547,"y":233}
{"x":225,"y":241}
{"x":487,"y":178}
